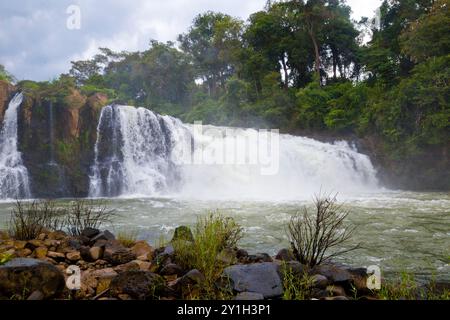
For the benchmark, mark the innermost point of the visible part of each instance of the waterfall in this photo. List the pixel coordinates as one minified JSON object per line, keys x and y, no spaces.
{"x":133,"y":153}
{"x":14,"y":182}
{"x":140,"y":153}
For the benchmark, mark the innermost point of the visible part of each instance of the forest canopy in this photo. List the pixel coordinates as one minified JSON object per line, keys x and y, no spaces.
{"x":300,"y":66}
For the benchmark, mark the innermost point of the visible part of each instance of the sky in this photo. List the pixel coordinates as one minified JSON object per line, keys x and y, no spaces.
{"x":39,"y":38}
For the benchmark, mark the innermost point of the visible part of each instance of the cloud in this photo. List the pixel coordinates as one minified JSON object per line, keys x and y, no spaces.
{"x":36,"y":44}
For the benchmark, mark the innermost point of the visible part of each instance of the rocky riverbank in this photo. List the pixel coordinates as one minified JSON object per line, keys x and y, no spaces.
{"x":109,"y":270}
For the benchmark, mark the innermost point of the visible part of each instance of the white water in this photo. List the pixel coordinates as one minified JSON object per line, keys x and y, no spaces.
{"x":14,"y":182}
{"x":142,"y":154}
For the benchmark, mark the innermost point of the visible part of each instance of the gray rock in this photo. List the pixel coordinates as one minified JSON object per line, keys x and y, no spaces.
{"x":171,"y":269}
{"x":117,"y":254}
{"x":90,"y":233}
{"x":249,"y":296}
{"x":320,"y":281}
{"x":260,"y":278}
{"x":285,"y":255}
{"x":29,"y":275}
{"x":140,"y":285}
{"x":105,"y":235}
{"x":333,"y":273}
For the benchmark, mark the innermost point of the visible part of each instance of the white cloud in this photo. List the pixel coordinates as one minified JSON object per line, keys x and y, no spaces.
{"x":35,"y":43}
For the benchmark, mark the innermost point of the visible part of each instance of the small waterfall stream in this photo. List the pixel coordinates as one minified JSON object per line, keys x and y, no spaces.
{"x":14,"y":181}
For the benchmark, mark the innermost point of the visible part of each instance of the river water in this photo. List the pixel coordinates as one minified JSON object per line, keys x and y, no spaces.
{"x":398,"y":231}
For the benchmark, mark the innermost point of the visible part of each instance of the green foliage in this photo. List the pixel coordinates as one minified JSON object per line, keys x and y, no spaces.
{"x":5,"y":75}
{"x":5,"y":257}
{"x":212,"y":234}
{"x":296,"y":287}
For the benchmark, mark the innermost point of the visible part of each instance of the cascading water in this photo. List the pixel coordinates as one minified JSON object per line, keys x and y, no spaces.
{"x":140,"y":153}
{"x":14,"y":181}
{"x":133,"y":153}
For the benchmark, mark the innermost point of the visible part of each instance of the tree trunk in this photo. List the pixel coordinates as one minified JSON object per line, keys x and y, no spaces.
{"x":317,"y":53}
{"x":286,"y":73}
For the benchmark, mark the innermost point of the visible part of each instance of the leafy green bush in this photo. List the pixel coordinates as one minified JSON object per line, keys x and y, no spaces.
{"x":212,"y":234}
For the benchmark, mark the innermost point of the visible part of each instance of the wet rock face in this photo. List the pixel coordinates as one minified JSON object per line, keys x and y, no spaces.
{"x":6,"y":91}
{"x":25,"y":276}
{"x":57,"y":139}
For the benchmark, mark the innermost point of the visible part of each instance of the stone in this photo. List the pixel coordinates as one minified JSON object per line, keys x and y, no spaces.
{"x":42,"y":237}
{"x":140,"y":285}
{"x":260,"y":278}
{"x":333,"y":273}
{"x":40,"y":252}
{"x":359,"y":281}
{"x":183,"y":233}
{"x":249,"y":296}
{"x":96,"y":253}
{"x":335,"y":291}
{"x":73,"y":256}
{"x":90,"y":233}
{"x":23,"y":253}
{"x":20,"y":275}
{"x":116,"y":254}
{"x":171,"y":269}
{"x":259,"y":258}
{"x":190,"y":283}
{"x":227,"y":257}
{"x":91,"y":280}
{"x":105,"y":235}
{"x":33,"y":244}
{"x":285,"y":255}
{"x":57,"y":235}
{"x":36,"y":296}
{"x":319,"y":281}
{"x":19,"y":245}
{"x":142,"y":248}
{"x":241,"y":254}
{"x":130,"y":266}
{"x":56,"y":256}
{"x":293,"y":267}
{"x":143,"y":265}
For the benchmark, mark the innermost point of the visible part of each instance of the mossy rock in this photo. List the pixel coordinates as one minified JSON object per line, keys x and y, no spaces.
{"x":183,"y":233}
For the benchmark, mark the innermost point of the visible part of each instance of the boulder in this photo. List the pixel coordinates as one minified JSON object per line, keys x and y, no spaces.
{"x":319,"y":281}
{"x":183,"y":233}
{"x":29,"y":275}
{"x":33,"y":244}
{"x":260,"y":278}
{"x":190,"y":284}
{"x":41,"y":252}
{"x":142,"y":248}
{"x":105,"y":235}
{"x":171,"y":269}
{"x":57,"y":235}
{"x":96,"y":253}
{"x":227,"y":257}
{"x":116,"y":254}
{"x":140,"y":285}
{"x":285,"y":255}
{"x":90,"y":233}
{"x":259,"y":258}
{"x":56,"y":256}
{"x":73,"y":256}
{"x":333,"y":273}
{"x":130,"y":266}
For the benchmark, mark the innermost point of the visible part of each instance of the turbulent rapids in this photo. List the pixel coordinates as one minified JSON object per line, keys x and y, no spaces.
{"x":140,"y":153}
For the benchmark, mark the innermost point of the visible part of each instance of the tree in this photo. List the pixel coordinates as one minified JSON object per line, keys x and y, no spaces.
{"x":5,"y":75}
{"x":213,"y":42}
{"x":428,"y":36}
